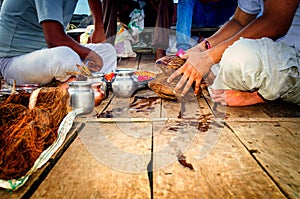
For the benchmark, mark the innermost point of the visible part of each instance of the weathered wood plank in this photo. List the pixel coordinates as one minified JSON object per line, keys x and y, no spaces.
{"x":148,"y":63}
{"x":228,"y":171}
{"x":279,"y":108}
{"x":275,"y":145}
{"x":103,"y":162}
{"x":132,"y":62}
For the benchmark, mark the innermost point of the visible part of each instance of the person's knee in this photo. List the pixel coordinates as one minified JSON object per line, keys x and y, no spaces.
{"x":112,"y":61}
{"x":242,"y":54}
{"x":65,"y":54}
{"x":111,"y":49}
{"x":64,"y":58}
{"x":240,"y":65}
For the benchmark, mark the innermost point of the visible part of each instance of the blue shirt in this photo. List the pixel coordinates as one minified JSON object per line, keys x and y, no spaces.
{"x":20,"y":23}
{"x":292,"y":36}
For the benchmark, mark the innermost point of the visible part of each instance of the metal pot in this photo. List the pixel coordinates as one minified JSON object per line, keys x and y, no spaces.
{"x":82,"y":96}
{"x":124,"y":83}
{"x":27,"y":87}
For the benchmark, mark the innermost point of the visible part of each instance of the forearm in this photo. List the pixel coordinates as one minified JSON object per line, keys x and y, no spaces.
{"x":255,"y":30}
{"x":229,"y":29}
{"x":65,"y":40}
{"x":244,"y":25}
{"x":55,"y":36}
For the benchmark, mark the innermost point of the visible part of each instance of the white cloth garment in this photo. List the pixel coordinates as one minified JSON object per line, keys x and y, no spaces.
{"x":41,"y":66}
{"x":272,"y":68}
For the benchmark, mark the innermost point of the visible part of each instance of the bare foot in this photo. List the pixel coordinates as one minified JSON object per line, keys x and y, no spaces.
{"x":236,"y":98}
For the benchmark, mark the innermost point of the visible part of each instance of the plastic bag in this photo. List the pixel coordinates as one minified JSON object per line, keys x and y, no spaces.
{"x":123,"y":42}
{"x":136,"y":24}
{"x":84,"y":36}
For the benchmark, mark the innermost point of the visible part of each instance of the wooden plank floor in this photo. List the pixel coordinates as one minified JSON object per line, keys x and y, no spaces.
{"x":178,"y":150}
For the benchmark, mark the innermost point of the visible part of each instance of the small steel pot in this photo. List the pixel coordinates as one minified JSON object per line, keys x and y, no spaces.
{"x":82,"y":96}
{"x":124,"y":83}
{"x":27,"y":87}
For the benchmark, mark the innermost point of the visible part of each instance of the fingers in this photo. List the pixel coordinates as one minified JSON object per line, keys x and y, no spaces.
{"x":189,"y":76}
{"x":197,"y":87}
{"x":174,"y":75}
{"x":187,"y":86}
{"x":180,"y":85}
{"x":193,"y":77}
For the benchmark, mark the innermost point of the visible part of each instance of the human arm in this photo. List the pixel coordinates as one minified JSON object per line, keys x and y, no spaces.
{"x":55,"y":36}
{"x":98,"y":36}
{"x":274,"y":23}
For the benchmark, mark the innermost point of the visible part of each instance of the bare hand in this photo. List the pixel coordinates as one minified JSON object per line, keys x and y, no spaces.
{"x":93,"y":61}
{"x":197,"y":65}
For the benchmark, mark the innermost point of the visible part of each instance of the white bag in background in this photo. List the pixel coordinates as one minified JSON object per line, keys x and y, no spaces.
{"x":123,"y":42}
{"x":84,"y":36}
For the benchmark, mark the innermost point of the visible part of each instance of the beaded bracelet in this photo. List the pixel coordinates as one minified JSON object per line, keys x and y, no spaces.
{"x":207,"y":44}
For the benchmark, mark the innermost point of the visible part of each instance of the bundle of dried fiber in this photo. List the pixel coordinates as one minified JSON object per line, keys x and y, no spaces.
{"x":34,"y":129}
{"x":18,"y":98}
{"x":23,"y":142}
{"x":53,"y":99}
{"x":9,"y":113}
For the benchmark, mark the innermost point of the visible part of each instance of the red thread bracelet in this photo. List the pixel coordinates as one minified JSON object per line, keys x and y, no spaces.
{"x":207,"y":44}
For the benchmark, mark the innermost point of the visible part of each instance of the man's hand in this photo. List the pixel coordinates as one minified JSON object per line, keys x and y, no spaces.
{"x":197,"y":65}
{"x":93,"y":61}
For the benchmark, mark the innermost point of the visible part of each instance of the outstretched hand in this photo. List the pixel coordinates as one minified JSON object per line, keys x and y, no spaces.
{"x":198,"y":64}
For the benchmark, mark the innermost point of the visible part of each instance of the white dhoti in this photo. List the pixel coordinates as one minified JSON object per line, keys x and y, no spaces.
{"x":271,"y":68}
{"x":42,"y":66}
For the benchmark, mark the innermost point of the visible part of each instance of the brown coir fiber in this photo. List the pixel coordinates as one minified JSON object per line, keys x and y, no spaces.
{"x":32,"y":131}
{"x":56,"y":101}
{"x":23,"y":142}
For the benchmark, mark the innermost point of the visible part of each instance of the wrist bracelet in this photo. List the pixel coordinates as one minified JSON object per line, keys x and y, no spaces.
{"x":207,"y":44}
